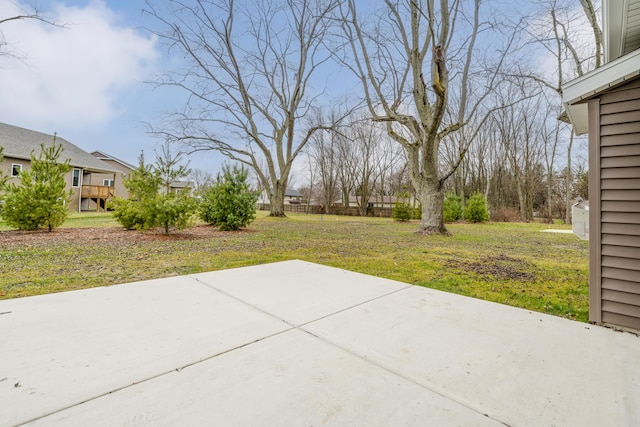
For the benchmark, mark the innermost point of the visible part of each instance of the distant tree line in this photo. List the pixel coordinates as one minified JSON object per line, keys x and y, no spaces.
{"x":454,"y":100}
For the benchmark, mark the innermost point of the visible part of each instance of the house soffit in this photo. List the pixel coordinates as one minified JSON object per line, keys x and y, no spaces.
{"x":578,"y":91}
{"x":621,"y":27}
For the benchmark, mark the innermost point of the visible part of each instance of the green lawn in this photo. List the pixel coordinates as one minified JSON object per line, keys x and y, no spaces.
{"x":509,"y":263}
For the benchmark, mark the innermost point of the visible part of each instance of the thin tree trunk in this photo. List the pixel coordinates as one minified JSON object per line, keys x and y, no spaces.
{"x":549,"y":194}
{"x":569,"y":181}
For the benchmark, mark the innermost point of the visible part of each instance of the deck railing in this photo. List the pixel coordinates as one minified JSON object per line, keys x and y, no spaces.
{"x":97,"y":192}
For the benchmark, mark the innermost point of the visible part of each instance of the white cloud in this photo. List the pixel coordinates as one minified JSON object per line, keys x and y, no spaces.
{"x":71,"y":78}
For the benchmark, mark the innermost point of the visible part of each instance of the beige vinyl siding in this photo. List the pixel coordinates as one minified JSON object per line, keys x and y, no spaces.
{"x":619,"y":190}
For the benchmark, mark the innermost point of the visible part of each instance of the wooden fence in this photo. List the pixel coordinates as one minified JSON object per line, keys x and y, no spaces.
{"x":335,"y":210}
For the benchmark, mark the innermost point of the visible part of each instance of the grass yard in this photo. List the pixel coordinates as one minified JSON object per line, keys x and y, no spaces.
{"x":509,"y":263}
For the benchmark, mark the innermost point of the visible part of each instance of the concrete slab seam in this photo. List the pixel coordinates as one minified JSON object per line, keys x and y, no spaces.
{"x":426,"y":386}
{"x":354,"y":306}
{"x":178,"y":369}
{"x":359,"y":356}
{"x":293,"y":325}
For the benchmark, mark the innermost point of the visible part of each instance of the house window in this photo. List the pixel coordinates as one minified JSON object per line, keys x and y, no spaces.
{"x":16,"y":168}
{"x":107,"y":182}
{"x":75,"y":180}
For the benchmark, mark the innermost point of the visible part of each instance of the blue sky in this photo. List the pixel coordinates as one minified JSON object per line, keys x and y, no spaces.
{"x":87,"y":81}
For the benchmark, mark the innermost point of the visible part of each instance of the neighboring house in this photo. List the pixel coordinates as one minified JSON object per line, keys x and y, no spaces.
{"x":182,"y":186}
{"x":125,"y":169}
{"x":606,"y":104}
{"x":88,"y":190}
{"x":291,"y":197}
{"x":116,"y":183}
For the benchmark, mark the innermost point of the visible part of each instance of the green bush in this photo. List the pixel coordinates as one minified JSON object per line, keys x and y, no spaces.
{"x":402,"y":212}
{"x":417,"y":213}
{"x":139,"y":210}
{"x":452,"y":208}
{"x":147,"y":207}
{"x":229,"y":204}
{"x":133,"y":214}
{"x":476,"y":209}
{"x":41,"y":198}
{"x":175,"y":210}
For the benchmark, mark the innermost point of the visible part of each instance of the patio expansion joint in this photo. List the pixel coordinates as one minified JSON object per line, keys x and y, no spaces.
{"x":292,"y":324}
{"x":423,"y":385}
{"x":152,"y":377}
{"x":301,"y":327}
{"x":407,"y":378}
{"x":174,"y":370}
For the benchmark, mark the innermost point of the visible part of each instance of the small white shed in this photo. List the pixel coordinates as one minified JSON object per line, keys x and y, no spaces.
{"x":580,"y":219}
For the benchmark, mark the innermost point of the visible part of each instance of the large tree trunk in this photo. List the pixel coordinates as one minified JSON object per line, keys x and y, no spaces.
{"x":432,"y":221}
{"x":277,"y":200}
{"x":423,"y":172}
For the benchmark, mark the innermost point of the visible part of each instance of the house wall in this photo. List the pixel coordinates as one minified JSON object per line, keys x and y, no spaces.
{"x":120,"y":190}
{"x":77,"y":191}
{"x":6,"y":164}
{"x":74,"y":204}
{"x":614,"y":141}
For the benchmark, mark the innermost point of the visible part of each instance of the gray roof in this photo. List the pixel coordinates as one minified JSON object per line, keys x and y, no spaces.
{"x":104,"y":156}
{"x":19,"y":143}
{"x":181,"y":184}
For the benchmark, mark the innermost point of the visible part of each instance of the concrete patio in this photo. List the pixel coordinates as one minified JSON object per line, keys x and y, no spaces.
{"x":296,"y":343}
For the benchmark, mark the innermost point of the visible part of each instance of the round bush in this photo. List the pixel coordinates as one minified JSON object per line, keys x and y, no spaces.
{"x":402,"y":212}
{"x":229,"y":204}
{"x":452,"y":209}
{"x":476,"y":209}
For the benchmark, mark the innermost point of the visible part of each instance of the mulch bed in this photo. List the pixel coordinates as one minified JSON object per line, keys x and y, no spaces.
{"x":111,"y":234}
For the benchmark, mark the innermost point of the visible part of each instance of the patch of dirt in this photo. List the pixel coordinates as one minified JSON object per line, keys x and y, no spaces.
{"x":111,"y":234}
{"x":499,"y":266}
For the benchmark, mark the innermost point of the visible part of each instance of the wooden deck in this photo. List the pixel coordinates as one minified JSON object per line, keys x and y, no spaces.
{"x":100,"y":193}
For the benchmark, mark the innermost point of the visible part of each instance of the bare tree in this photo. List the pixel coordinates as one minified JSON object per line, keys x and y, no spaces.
{"x":590,"y":13}
{"x":557,"y":31}
{"x":308,"y":192}
{"x":355,"y":160}
{"x":323,"y":157}
{"x":249,"y":80}
{"x":365,"y":139}
{"x":519,"y":129}
{"x":388,"y":159}
{"x":23,"y":14}
{"x":347,"y":165}
{"x":404,"y":64}
{"x":551,"y":138}
{"x":201,"y":180}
